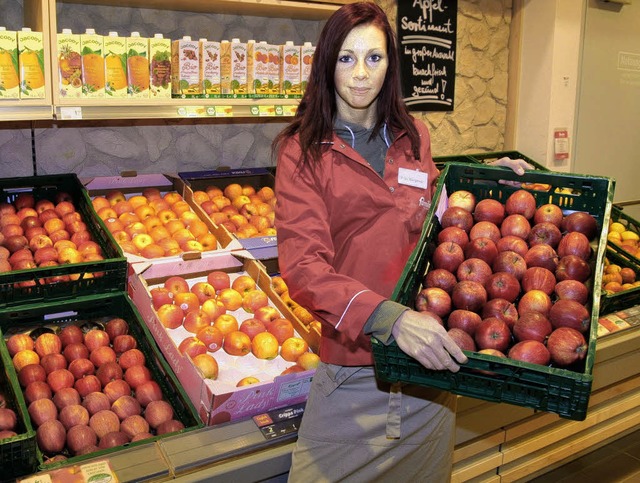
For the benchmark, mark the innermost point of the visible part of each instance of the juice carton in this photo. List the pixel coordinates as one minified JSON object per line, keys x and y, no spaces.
{"x":31,"y":64}
{"x":9,"y":69}
{"x":273,"y":69}
{"x":160,"y":70}
{"x":115,"y":65}
{"x":233,"y":64}
{"x":69,"y":65}
{"x":93,"y":76}
{"x":290,"y":70}
{"x":210,"y":68}
{"x":185,"y":68}
{"x":138,"y":66}
{"x":306,"y":52}
{"x":258,"y":69}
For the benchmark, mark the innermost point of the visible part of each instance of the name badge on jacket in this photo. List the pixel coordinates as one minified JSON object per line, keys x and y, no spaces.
{"x":410,"y":177}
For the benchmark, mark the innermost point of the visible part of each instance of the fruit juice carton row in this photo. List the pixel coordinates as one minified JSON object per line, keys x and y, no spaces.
{"x":223,"y":397}
{"x":60,"y":211}
{"x":257,"y":193}
{"x":561,"y":390}
{"x":133,"y":188}
{"x":91,"y":314}
{"x":18,"y":453}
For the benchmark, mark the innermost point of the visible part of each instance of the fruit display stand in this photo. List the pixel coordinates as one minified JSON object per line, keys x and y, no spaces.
{"x":128,"y":185}
{"x":61,"y":278}
{"x":564,"y":391}
{"x":93,"y":312}
{"x":221,"y":400}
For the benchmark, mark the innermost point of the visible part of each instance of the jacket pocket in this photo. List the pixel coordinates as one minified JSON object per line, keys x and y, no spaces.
{"x":329,"y":377}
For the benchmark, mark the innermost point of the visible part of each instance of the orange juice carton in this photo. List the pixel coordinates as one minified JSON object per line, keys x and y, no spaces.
{"x":9,"y":70}
{"x":115,"y":65}
{"x":210,"y":68}
{"x":185,"y":68}
{"x":160,"y":69}
{"x":290,"y":70}
{"x":233,"y":64}
{"x":258,"y":69}
{"x":138,"y":66}
{"x":273,"y":69}
{"x":69,"y":65}
{"x":31,"y":64}
{"x":93,"y":75}
{"x":306,"y":53}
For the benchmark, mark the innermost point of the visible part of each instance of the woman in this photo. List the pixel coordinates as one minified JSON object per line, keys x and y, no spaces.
{"x":354,"y":179}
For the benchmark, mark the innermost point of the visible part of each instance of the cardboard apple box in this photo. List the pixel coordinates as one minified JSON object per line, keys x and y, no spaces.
{"x":131,"y":184}
{"x":219,"y":401}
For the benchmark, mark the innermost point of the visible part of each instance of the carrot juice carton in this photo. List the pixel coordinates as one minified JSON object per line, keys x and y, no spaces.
{"x":115,"y":65}
{"x":258,"y":69}
{"x":31,"y":64}
{"x":233,"y":64}
{"x":210,"y":68}
{"x":306,"y":53}
{"x":185,"y":68}
{"x":160,"y":68}
{"x":93,"y":75}
{"x":69,"y":65}
{"x":9,"y":69}
{"x":273,"y":69}
{"x":290,"y":70}
{"x":138,"y":66}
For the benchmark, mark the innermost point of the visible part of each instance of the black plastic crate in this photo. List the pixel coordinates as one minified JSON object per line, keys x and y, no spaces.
{"x":88,"y":278}
{"x":558,"y":390}
{"x":618,"y":215}
{"x":18,"y":455}
{"x":614,"y":302}
{"x":88,"y":312}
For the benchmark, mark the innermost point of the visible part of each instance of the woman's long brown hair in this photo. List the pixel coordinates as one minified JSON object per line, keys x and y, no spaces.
{"x":314,"y":118}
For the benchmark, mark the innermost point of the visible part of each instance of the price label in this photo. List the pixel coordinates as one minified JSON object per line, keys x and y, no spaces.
{"x":70,"y":113}
{"x":289,"y":110}
{"x":280,"y":422}
{"x":224,"y":111}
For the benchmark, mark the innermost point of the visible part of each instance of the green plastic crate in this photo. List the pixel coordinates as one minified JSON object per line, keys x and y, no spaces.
{"x":28,"y":286}
{"x":625,"y":299}
{"x":18,"y":455}
{"x":98,"y":309}
{"x":562,"y":391}
{"x":617,"y":214}
{"x":493,"y":156}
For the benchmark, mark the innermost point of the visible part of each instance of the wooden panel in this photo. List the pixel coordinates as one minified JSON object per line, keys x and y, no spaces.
{"x":471,"y":468}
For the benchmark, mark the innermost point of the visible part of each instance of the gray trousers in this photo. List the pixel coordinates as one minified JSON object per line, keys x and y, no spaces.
{"x":358,"y":429}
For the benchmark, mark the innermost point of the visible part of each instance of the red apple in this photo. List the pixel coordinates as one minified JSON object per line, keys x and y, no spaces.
{"x":31,"y":373}
{"x":219,"y":279}
{"x":203,"y":290}
{"x":485,"y":229}
{"x":132,"y":357}
{"x":462,"y":339}
{"x":208,"y":367}
{"x":160,"y":296}
{"x":532,"y":351}
{"x":569,"y":313}
{"x":75,"y":350}
{"x":252,"y":326}
{"x":456,"y":216}
{"x":108,"y":372}
{"x":538,"y":278}
{"x":51,"y":362}
{"x":503,"y":285}
{"x":96,"y":338}
{"x":521,"y":202}
{"x":544,"y":232}
{"x":534,"y":301}
{"x":440,"y":278}
{"x":532,"y":326}
{"x":465,"y":320}
{"x":71,"y":334}
{"x":292,"y":348}
{"x":574,"y":243}
{"x":572,"y":290}
{"x":67,"y":396}
{"x":510,"y":262}
{"x":42,"y":410}
{"x":501,"y":309}
{"x":462,"y":199}
{"x":19,"y":342}
{"x":453,"y":234}
{"x":87,"y":384}
{"x":147,"y":392}
{"x":264,"y":345}
{"x":566,"y":346}
{"x":124,"y":342}
{"x":483,"y":248}
{"x":449,"y":256}
{"x":493,"y":333}
{"x":549,"y":213}
{"x":572,"y":267}
{"x":469,"y":295}
{"x":489,"y":210}
{"x":137,"y":375}
{"x":474,"y":269}
{"x":212,"y":338}
{"x":115,"y":327}
{"x":266,"y":314}
{"x":515,"y":225}
{"x":237,"y":343}
{"x":542,"y":255}
{"x":282,"y":328}
{"x":433,"y":299}
{"x":580,"y":221}
{"x":191,"y":346}
{"x":176,"y":284}
{"x":195,"y":320}
{"x":102,"y":355}
{"x":60,"y":378}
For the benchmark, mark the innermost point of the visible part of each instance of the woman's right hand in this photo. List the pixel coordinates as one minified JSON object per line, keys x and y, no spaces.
{"x":422,"y":337}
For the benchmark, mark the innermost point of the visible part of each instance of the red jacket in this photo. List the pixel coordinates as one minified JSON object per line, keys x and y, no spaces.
{"x":345,"y":234}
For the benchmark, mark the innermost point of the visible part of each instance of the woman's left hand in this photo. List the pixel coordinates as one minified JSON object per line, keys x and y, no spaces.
{"x":519,"y":166}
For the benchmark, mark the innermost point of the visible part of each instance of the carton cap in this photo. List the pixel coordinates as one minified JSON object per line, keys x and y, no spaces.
{"x":3,"y":29}
{"x":289,"y":42}
{"x":135,"y":34}
{"x":307,"y":44}
{"x":90,"y":31}
{"x":202,"y":39}
{"x":26,"y":29}
{"x":66,"y":31}
{"x":235,"y":40}
{"x":113,"y":34}
{"x":263,"y":42}
{"x":186,"y":37}
{"x":158,"y":36}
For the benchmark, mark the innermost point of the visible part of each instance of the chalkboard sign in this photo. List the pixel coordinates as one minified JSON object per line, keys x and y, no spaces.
{"x":427,"y":45}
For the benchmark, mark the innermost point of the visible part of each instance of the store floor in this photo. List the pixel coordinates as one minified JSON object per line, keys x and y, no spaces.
{"x":616,"y":462}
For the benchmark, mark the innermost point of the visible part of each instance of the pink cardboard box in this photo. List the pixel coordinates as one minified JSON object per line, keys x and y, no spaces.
{"x":218,"y":401}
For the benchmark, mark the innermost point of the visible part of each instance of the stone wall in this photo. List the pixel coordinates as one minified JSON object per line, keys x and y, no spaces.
{"x":105,"y":149}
